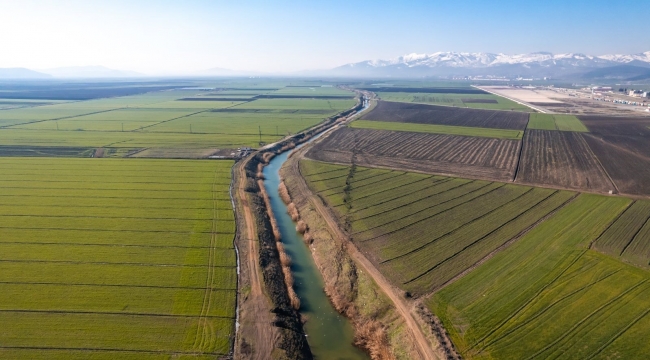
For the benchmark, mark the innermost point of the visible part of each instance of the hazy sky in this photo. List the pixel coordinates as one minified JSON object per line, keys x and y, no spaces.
{"x":156,"y":37}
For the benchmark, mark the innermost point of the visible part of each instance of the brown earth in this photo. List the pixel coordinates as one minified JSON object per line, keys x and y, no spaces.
{"x":447,"y":115}
{"x":617,"y":125}
{"x":474,"y":157}
{"x":625,"y":161}
{"x":561,"y":159}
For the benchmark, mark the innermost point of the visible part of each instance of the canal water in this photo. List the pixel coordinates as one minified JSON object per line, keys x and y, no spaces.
{"x":329,"y":334}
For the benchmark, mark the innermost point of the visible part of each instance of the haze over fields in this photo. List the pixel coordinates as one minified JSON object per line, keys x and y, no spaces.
{"x":253,"y":37}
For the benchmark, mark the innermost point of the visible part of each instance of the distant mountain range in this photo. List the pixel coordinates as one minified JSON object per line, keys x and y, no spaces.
{"x":22,"y":73}
{"x":539,"y":64}
{"x":439,"y":64}
{"x":89,"y":72}
{"x":69,"y":72}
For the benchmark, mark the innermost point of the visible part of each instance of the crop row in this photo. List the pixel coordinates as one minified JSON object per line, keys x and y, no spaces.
{"x":368,"y":183}
{"x":169,"y":213}
{"x":115,"y":238}
{"x":405,"y":198}
{"x":111,"y":332}
{"x":546,"y":295}
{"x":629,"y":237}
{"x":419,"y":209}
{"x":373,"y":227}
{"x":420,"y":229}
{"x":442,"y":154}
{"x":476,"y":248}
{"x":442,"y":247}
{"x":147,"y":254}
{"x":17,"y":252}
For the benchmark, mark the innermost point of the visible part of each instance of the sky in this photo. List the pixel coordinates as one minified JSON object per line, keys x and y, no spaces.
{"x":179,"y":37}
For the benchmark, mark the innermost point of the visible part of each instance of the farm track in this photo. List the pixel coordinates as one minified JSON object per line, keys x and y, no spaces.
{"x":405,"y":309}
{"x":205,"y":307}
{"x":256,"y":316}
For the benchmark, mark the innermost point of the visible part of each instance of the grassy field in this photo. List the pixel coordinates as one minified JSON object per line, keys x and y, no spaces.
{"x":629,"y":236}
{"x":438,"y":129}
{"x":459,"y":100}
{"x":556,"y":122}
{"x":548,"y":296}
{"x":172,"y":118}
{"x":105,"y":258}
{"x":422,"y":230}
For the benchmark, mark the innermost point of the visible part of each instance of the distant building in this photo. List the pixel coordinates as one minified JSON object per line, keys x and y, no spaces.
{"x":637,"y":93}
{"x":601,"y":89}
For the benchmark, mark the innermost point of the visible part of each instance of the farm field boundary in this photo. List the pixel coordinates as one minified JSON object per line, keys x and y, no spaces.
{"x":439,"y":129}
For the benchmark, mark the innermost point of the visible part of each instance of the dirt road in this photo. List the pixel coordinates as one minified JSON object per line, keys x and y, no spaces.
{"x":256,"y":318}
{"x":426,"y":349}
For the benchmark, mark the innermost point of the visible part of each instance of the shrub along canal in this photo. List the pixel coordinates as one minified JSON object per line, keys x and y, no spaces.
{"x":330,"y":334}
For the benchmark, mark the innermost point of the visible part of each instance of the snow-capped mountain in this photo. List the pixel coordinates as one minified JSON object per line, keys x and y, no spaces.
{"x":460,"y":63}
{"x":642,"y":57}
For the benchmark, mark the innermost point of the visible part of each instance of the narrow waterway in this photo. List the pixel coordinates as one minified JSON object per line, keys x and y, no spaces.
{"x":329,"y":333}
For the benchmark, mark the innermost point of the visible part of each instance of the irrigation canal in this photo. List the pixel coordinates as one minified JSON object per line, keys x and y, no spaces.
{"x":329,"y":333}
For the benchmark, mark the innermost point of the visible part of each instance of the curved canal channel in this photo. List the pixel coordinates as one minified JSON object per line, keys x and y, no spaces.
{"x":330,"y":334}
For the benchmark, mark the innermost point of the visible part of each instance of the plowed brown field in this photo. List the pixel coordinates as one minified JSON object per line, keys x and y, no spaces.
{"x":485,"y":158}
{"x":561,"y":159}
{"x":447,"y":115}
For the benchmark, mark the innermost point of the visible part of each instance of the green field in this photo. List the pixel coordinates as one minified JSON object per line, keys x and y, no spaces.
{"x":422,"y":230}
{"x":169,"y":119}
{"x":629,"y":236}
{"x":556,"y":122}
{"x":112,"y":258}
{"x":548,"y":296}
{"x":455,"y":100}
{"x":438,"y":129}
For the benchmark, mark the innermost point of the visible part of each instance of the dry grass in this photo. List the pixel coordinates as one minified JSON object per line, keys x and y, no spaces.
{"x":267,"y":157}
{"x":308,"y":238}
{"x":269,"y":211}
{"x":302,"y":227}
{"x":285,"y":260}
{"x":284,"y":193}
{"x":293,"y":212}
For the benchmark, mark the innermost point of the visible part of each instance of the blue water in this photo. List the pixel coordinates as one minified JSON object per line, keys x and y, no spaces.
{"x":329,"y":334}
